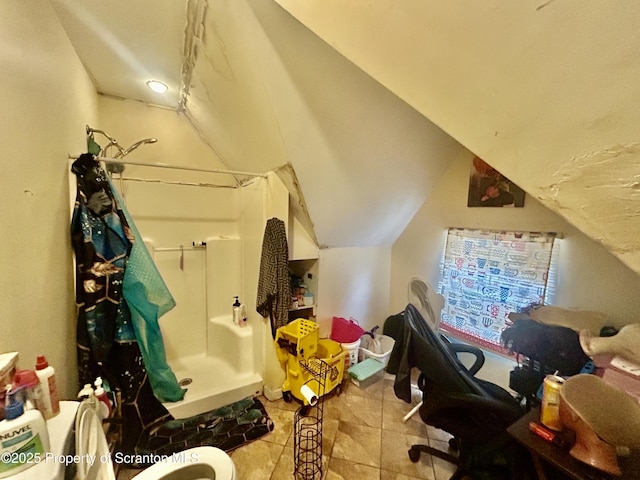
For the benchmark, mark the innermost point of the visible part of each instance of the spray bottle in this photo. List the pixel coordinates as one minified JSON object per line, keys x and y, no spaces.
{"x":104,"y":404}
{"x":47,"y":376}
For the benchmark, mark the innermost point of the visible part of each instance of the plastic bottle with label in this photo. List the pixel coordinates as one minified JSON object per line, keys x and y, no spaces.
{"x":104,"y":405}
{"x":47,"y":376}
{"x":24,"y":438}
{"x":236,"y":311}
{"x":242,"y":321}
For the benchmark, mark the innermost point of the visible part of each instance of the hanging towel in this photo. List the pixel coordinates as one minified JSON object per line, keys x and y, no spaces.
{"x":148,"y":299}
{"x":274,"y":292}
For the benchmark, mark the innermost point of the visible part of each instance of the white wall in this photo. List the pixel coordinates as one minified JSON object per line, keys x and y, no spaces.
{"x":178,"y":141}
{"x":589,"y":277}
{"x":546,"y":92}
{"x":46,"y":99}
{"x":353,"y":282}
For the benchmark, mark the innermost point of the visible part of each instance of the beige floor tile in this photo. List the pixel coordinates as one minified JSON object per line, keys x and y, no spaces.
{"x":394,"y":456}
{"x":280,"y":403}
{"x":329,"y":430}
{"x":392,"y":414}
{"x":358,"y":444}
{"x":437,"y":434}
{"x":388,"y":394}
{"x":283,"y":425}
{"x":387,"y":475}
{"x":355,"y":409}
{"x":345,"y":470}
{"x":443,"y":469}
{"x":256,"y":460}
{"x":284,"y":467}
{"x":375,"y":390}
{"x":284,"y":470}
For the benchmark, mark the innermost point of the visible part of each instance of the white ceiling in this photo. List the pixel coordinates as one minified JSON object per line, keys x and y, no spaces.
{"x":123,"y":44}
{"x":264,"y":91}
{"x":545,"y":91}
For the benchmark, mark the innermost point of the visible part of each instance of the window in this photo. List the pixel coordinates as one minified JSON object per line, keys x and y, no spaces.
{"x":487,"y":275}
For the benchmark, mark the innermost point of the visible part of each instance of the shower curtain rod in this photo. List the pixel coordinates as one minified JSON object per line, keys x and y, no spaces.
{"x":175,"y":167}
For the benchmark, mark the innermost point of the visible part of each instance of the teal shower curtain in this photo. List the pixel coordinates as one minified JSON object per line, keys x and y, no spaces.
{"x":119,"y":291}
{"x":148,"y":298}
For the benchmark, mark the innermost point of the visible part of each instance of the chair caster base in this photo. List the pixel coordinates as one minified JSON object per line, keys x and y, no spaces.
{"x":414,"y":455}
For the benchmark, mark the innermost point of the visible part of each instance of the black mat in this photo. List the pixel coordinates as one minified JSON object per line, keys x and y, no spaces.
{"x":227,"y":428}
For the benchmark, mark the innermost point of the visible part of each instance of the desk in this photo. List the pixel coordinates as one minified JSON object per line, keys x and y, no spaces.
{"x":545,"y":454}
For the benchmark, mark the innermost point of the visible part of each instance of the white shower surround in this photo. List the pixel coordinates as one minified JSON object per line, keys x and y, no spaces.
{"x":223,"y":362}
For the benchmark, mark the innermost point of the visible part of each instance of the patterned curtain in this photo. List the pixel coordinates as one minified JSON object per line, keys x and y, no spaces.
{"x":487,"y":275}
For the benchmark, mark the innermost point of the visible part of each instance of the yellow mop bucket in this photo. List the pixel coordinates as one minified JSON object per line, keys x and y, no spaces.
{"x":300,"y":350}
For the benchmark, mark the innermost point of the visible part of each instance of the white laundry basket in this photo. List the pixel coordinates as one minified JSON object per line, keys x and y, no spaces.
{"x":381,"y":350}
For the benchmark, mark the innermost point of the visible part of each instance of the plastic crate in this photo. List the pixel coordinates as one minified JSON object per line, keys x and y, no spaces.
{"x":367,"y":372}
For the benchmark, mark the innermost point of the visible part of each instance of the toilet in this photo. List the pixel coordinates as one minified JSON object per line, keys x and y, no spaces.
{"x":208,"y":463}
{"x":199,"y":463}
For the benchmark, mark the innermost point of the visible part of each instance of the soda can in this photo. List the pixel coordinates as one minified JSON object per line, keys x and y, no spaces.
{"x":550,"y":411}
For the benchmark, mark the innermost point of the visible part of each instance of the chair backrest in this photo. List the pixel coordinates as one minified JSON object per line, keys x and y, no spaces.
{"x":453,"y":399}
{"x":435,"y":360}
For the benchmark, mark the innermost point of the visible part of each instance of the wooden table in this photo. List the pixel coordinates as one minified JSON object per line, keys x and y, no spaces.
{"x":549,"y":459}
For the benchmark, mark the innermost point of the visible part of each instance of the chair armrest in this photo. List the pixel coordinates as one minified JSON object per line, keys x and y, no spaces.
{"x":456,"y":348}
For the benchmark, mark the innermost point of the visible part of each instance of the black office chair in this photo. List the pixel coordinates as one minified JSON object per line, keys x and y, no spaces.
{"x":477,"y":413}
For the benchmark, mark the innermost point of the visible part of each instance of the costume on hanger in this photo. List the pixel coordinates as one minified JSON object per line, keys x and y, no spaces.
{"x":106,"y":342}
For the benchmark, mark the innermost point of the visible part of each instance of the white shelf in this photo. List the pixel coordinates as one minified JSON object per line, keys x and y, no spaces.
{"x":304,"y":307}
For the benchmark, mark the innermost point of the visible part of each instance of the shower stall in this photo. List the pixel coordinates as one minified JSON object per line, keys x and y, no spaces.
{"x":205,"y":239}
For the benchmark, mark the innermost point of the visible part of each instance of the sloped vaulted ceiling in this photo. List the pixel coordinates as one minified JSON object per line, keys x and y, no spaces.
{"x":547,"y":91}
{"x":264,"y":92}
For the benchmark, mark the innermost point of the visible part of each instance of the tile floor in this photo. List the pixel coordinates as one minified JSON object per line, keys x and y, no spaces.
{"x":364,"y":437}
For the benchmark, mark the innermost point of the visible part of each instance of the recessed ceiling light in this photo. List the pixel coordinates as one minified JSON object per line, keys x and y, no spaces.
{"x":157,"y":86}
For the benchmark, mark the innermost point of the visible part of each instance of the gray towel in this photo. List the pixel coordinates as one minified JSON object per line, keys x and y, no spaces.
{"x":274,"y":292}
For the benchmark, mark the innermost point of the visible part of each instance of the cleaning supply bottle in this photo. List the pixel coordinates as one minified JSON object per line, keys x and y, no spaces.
{"x":242,"y":322}
{"x":86,"y":392}
{"x":104,"y":405}
{"x":29,"y":383}
{"x":47,"y":376}
{"x":86,"y":395}
{"x":236,"y":311}
{"x":24,"y":438}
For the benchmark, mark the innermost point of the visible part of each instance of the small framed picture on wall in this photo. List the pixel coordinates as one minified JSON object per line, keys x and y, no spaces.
{"x":489,"y":188}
